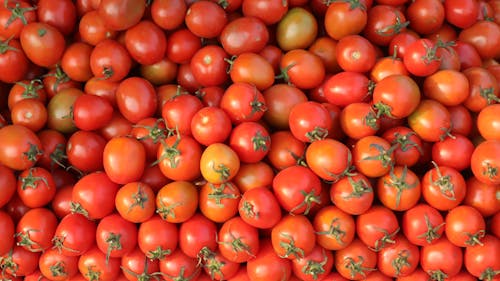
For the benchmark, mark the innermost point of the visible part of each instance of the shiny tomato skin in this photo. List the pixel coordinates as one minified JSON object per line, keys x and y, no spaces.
{"x":268,"y":266}
{"x":484,"y":162}
{"x":35,"y":229}
{"x":61,"y":14}
{"x":21,"y":147}
{"x":244,"y":35}
{"x":124,"y":159}
{"x":355,"y":53}
{"x":8,"y":183}
{"x":197,"y":233}
{"x":110,"y":60}
{"x":136,"y":99}
{"x":206,"y":19}
{"x":14,"y":59}
{"x":146,"y":42}
{"x":115,"y":236}
{"x":91,"y":112}
{"x":121,"y":15}
{"x":42,"y":43}
{"x":352,"y":16}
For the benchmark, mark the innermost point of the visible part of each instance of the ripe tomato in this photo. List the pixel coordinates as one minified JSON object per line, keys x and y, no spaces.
{"x":21,"y":147}
{"x":75,"y":62}
{"x":244,"y":35}
{"x":136,"y":99}
{"x":254,"y":175}
{"x":356,"y":261}
{"x":268,"y":266}
{"x":121,"y":15}
{"x":210,"y":125}
{"x":384,"y":22}
{"x":297,"y":189}
{"x":302,"y":68}
{"x":243,"y":102}
{"x":317,"y":264}
{"x":293,"y":237}
{"x":35,"y":229}
{"x":484,"y":89}
{"x":430,"y":120}
{"x":441,"y":259}
{"x":422,"y":224}
{"x":310,"y":121}
{"x":270,"y":12}
{"x":61,"y":14}
{"x":219,"y":202}
{"x":443,"y":187}
{"x":110,"y":60}
{"x":12,"y":57}
{"x":396,"y":96}
{"x":42,"y":43}
{"x":484,"y":162}
{"x":398,"y":259}
{"x":449,"y":87}
{"x":205,"y":19}
{"x":146,"y":42}
{"x":168,"y":14}
{"x":377,"y":227}
{"x":373,"y":156}
{"x":359,"y":120}
{"x":8,"y":184}
{"x":36,"y":187}
{"x":74,"y":235}
{"x":259,"y":208}
{"x":483,"y":260}
{"x":335,"y":229}
{"x":420,"y":11}
{"x":157,"y":238}
{"x":482,"y":196}
{"x":179,"y":157}
{"x":297,"y":29}
{"x":250,"y":141}
{"x":14,"y":15}
{"x":30,"y":113}
{"x":465,"y":226}
{"x":238,"y":241}
{"x":19,"y":262}
{"x":488,"y":122}
{"x":177,"y":201}
{"x":178,"y":265}
{"x":355,"y":53}
{"x":93,"y":195}
{"x":453,"y":152}
{"x":91,"y":112}
{"x":219,"y":163}
{"x":135,"y":265}
{"x":93,"y":29}
{"x":94,"y":265}
{"x":399,"y":190}
{"x":115,"y":236}
{"x":351,"y":15}
{"x":329,"y":159}
{"x":408,"y":145}
{"x":347,"y":87}
{"x":124,"y":159}
{"x":352,"y":194}
{"x":197,"y":234}
{"x":8,"y":227}
{"x":422,"y":57}
{"x":178,"y":112}
{"x":279,"y":105}
{"x":56,"y":266}
{"x":135,"y":202}
{"x":182,"y":44}
{"x":252,"y":68}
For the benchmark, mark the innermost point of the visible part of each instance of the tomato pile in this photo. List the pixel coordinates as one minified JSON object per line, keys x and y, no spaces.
{"x":186,"y":140}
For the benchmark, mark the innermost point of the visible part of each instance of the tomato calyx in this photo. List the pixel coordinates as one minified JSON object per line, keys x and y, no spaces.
{"x":158,"y":253}
{"x":347,"y":172}
{"x":359,"y":188}
{"x":237,"y":245}
{"x":107,"y":72}
{"x":31,"y":181}
{"x":77,"y":208}
{"x":356,"y":267}
{"x":26,"y":241}
{"x":182,"y":272}
{"x":290,"y":248}
{"x":7,"y":263}
{"x":256,"y":105}
{"x":92,"y":275}
{"x":405,"y":143}
{"x":318,"y":133}
{"x":388,"y":238}
{"x":489,"y":95}
{"x":113,"y":241}
{"x":217,"y":193}
{"x":384,"y":155}
{"x":17,"y":12}
{"x":315,"y":268}
{"x":400,"y":261}
{"x":400,"y":184}
{"x":335,"y":231}
{"x":167,"y":211}
{"x":230,"y":61}
{"x":155,"y":132}
{"x":437,"y":275}
{"x":60,"y":76}
{"x":260,"y":142}
{"x":309,"y":199}
{"x":353,"y":4}
{"x":371,"y":118}
{"x":169,"y":152}
{"x":4,"y":46}
{"x":393,"y":29}
{"x":490,"y":171}
{"x":31,"y":89}
{"x":489,"y":274}
{"x":58,"y":242}
{"x":58,"y":269}
{"x":248,"y":211}
{"x":430,"y":53}
{"x":223,"y":171}
{"x":431,"y":233}
{"x":140,"y":197}
{"x":144,"y":276}
{"x":209,"y":260}
{"x":475,"y":238}
{"x":444,"y":183}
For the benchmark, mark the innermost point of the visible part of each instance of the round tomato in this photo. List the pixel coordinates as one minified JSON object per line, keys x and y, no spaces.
{"x":115,"y":236}
{"x":42,"y":43}
{"x":293,"y":237}
{"x":196,"y":235}
{"x":377,"y":227}
{"x":8,"y":185}
{"x":302,"y":68}
{"x":179,"y":158}
{"x":110,"y":60}
{"x":35,"y":229}
{"x":280,"y":99}
{"x":268,"y":266}
{"x":244,"y":35}
{"x":396,"y":96}
{"x":441,"y":259}
{"x":430,"y":120}
{"x":36,"y":187}
{"x":425,"y":16}
{"x":314,"y":266}
{"x":351,"y":15}
{"x":20,"y":149}
{"x":124,"y":159}
{"x":465,"y":226}
{"x":355,"y":53}
{"x":483,"y":197}
{"x":352,"y":194}
{"x":91,"y":112}
{"x":238,"y":241}
{"x":259,"y":208}
{"x":335,"y":229}
{"x":485,"y":160}
{"x":398,"y":259}
{"x":453,"y":152}
{"x":482,"y":260}
{"x":219,"y":202}
{"x":56,"y":266}
{"x":13,"y":59}
{"x":297,"y":29}
{"x":356,"y":261}
{"x":252,"y":68}
{"x":219,"y":163}
{"x":205,"y":19}
{"x":210,"y":125}
{"x":142,"y":35}
{"x":94,"y":265}
{"x":135,"y":202}
{"x":179,"y":266}
{"x":177,"y":201}
{"x":488,"y":122}
{"x":121,"y":15}
{"x":329,"y":159}
{"x":74,"y":235}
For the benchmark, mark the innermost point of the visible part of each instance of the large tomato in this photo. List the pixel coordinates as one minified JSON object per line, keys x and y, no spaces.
{"x":74,"y":235}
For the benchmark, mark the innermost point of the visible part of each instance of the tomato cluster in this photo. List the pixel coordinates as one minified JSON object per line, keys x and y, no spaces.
{"x":249,"y":140}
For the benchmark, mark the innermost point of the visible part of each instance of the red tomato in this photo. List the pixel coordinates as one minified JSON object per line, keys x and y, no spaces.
{"x":443,"y":187}
{"x":268,"y":266}
{"x":270,"y":12}
{"x":35,"y":229}
{"x":239,"y":241}
{"x":347,"y":87}
{"x":36,"y":187}
{"x":425,"y":16}
{"x":279,"y":104}
{"x":453,"y":152}
{"x":210,"y":125}
{"x":302,"y":68}
{"x":352,"y":16}
{"x":219,"y":202}
{"x":57,"y":267}
{"x":115,"y":236}
{"x":177,"y":201}
{"x":197,"y":234}
{"x":259,"y":208}
{"x":146,"y":42}
{"x":124,"y":159}
{"x":178,"y":265}
{"x":21,"y":147}
{"x":310,"y":121}
{"x":398,"y":259}
{"x":42,"y":43}
{"x":384,"y":22}
{"x":179,"y":158}
{"x":485,"y":161}
{"x":251,"y":141}
{"x":335,"y":229}
{"x":179,"y":111}
{"x":244,"y":35}
{"x":93,"y":28}
{"x":74,"y":235}
{"x":206,"y":19}
{"x":317,"y":264}
{"x":121,"y":15}
{"x":14,"y":15}
{"x":182,"y":44}
{"x":355,"y":53}
{"x":373,"y":156}
{"x":441,"y":259}
{"x":135,"y":202}
{"x":8,"y":227}
{"x":488,"y":122}
{"x":329,"y":159}
{"x":252,"y":68}
{"x":377,"y":227}
{"x":61,"y":14}
{"x":19,"y":262}
{"x":483,"y":260}
{"x":422,"y":57}
{"x":293,"y":237}
{"x":91,"y":112}
{"x":356,"y":261}
{"x":94,"y":265}
{"x":430,"y":120}
{"x":8,"y":185}
{"x":13,"y":59}
{"x":352,"y":194}
{"x":465,"y":226}
{"x":462,"y":14}
{"x":110,"y":60}
{"x":482,"y":197}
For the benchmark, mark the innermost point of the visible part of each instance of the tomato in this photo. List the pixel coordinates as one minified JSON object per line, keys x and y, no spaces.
{"x":387,"y":66}
{"x":399,"y":190}
{"x":186,"y":79}
{"x":179,"y":157}
{"x":377,"y":227}
{"x":121,"y":15}
{"x":400,"y":43}
{"x":21,"y":147}
{"x":270,"y":12}
{"x":135,"y":265}
{"x":74,"y":235}
{"x":103,"y":88}
{"x":61,"y":14}
{"x":482,"y":261}
{"x":465,"y":226}
{"x":279,"y":105}
{"x":135,"y":202}
{"x":162,"y":72}
{"x":352,"y":194}
{"x":422,"y":57}
{"x":453,"y":152}
{"x":359,"y":120}
{"x":484,"y":162}
{"x":488,"y":123}
{"x":253,"y":175}
{"x":8,"y":227}
{"x":351,"y":15}
{"x":468,"y":55}
{"x":259,"y":208}
{"x":42,"y":43}
{"x":210,"y":125}
{"x":110,"y":60}
{"x":177,"y":201}
{"x":35,"y":229}
{"x":356,"y":261}
{"x":209,"y":65}
{"x":244,"y":35}
{"x":347,"y":87}
{"x":94,"y":195}
{"x":384,"y":22}
{"x":124,"y":159}
{"x":441,"y":259}
{"x":94,"y":265}
{"x":475,"y":35}
{"x":93,"y":29}
{"x":30,"y":113}
{"x":329,"y":159}
{"x":84,"y":151}
{"x":310,"y":121}
{"x":481,"y":196}
{"x":179,"y":111}
{"x":297,"y":29}
{"x":14,"y":15}
{"x":60,"y":108}
{"x":373,"y":156}
{"x":425,"y":16}
{"x":408,"y":145}
{"x":449,"y":87}
{"x":238,"y":241}
{"x":293,"y":237}
{"x":335,"y":229}
{"x":461,"y":120}
{"x":398,"y":259}
{"x":19,"y":262}
{"x":205,"y":19}
{"x":8,"y":184}
{"x":219,"y":202}
{"x":141,"y":35}
{"x":302,"y":68}
{"x":243,"y":102}
{"x":297,"y":189}
{"x":168,"y":14}
{"x":250,"y":141}
{"x":88,"y":109}
{"x":462,"y":14}
{"x":396,"y":96}
{"x":178,"y":265}
{"x":56,"y":266}
{"x":430,"y":120}
{"x":316,"y":265}
{"x":182,"y":44}
{"x":443,"y":187}
{"x":219,"y":163}
{"x":197,"y":234}
{"x":36,"y":187}
{"x":286,"y":150}
{"x":267,"y":265}
{"x":136,"y":99}
{"x":483,"y":89}
{"x":355,"y":53}
{"x":252,"y":68}
{"x":115,"y":236}
{"x":13,"y":58}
